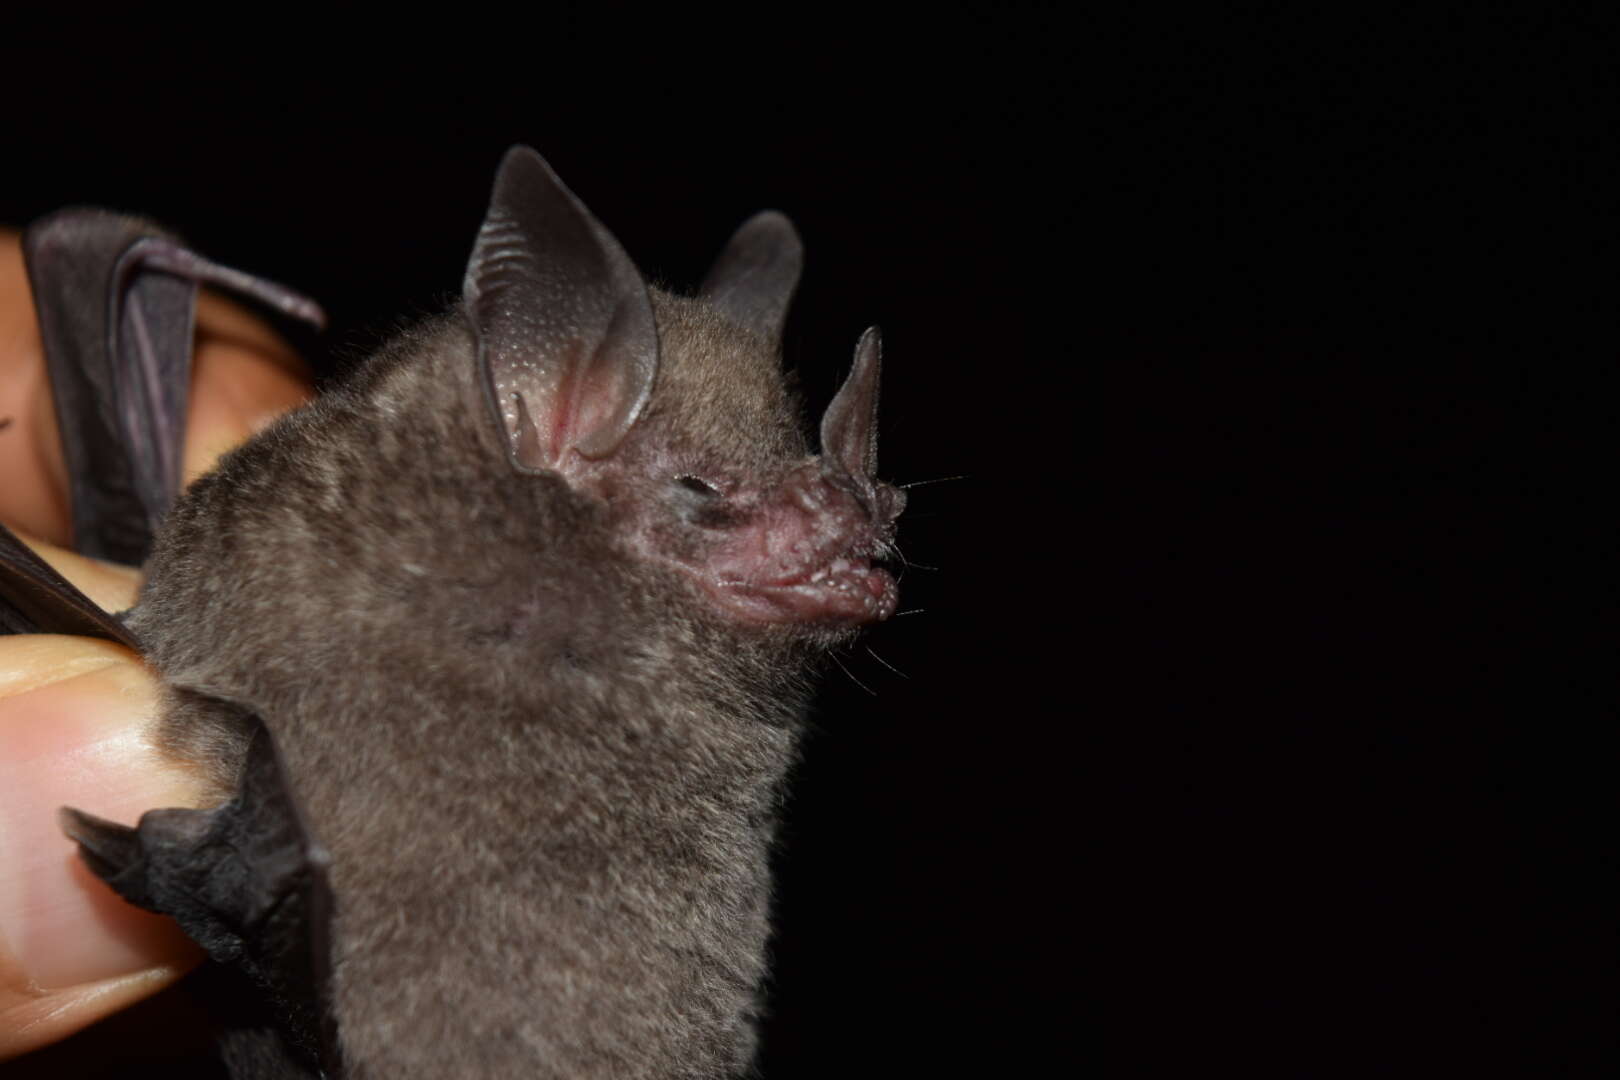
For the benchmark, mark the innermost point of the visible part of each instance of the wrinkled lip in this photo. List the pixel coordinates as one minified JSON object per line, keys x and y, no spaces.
{"x":847,"y":591}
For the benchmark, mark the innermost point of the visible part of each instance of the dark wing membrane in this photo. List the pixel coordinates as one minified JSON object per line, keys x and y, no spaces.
{"x":247,"y":883}
{"x":35,"y":599}
{"x":116,"y":298}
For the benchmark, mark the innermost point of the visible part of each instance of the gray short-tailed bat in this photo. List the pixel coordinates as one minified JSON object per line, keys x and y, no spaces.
{"x":495,"y":654}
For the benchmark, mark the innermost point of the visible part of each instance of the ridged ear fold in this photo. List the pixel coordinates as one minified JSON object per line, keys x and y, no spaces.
{"x":753,"y":280}
{"x":566,"y":342}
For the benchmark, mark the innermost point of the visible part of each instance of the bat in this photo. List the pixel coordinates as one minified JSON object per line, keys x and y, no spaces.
{"x":495,"y":655}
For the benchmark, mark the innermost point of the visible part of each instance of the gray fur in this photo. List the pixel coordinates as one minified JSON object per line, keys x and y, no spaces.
{"x":545,"y":763}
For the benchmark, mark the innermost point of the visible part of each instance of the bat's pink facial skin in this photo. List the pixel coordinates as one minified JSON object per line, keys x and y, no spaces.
{"x":784,"y":542}
{"x":803,"y":552}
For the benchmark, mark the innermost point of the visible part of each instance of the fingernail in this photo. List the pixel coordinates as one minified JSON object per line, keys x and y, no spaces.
{"x":79,"y":741}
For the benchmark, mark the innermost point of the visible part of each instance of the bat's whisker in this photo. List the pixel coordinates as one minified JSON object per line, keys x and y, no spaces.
{"x":851,"y":675}
{"x":886,"y":664}
{"x":936,"y":480}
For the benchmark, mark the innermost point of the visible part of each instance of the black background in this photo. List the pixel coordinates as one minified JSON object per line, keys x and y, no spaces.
{"x":1199,"y":743}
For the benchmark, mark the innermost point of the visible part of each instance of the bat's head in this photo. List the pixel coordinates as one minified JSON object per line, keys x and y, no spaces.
{"x":674,"y":413}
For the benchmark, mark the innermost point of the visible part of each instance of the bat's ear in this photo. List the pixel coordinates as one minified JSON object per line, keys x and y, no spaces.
{"x":563,"y":323}
{"x":849,"y":426}
{"x":752,"y":281}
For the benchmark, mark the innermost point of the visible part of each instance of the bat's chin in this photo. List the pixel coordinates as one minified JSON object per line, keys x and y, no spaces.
{"x":845,"y":592}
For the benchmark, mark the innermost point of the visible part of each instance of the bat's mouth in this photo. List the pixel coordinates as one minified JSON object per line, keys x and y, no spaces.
{"x":807,"y":553}
{"x":846,"y":591}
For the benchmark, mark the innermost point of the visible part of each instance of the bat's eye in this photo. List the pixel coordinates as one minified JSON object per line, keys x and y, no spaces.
{"x":697,"y":484}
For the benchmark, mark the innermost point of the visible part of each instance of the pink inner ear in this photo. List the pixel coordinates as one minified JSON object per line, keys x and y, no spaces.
{"x":590,"y":407}
{"x":568,"y":419}
{"x":601,"y":398}
{"x":599,"y":407}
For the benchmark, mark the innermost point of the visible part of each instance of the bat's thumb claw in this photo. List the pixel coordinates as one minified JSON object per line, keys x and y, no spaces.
{"x":105,"y":846}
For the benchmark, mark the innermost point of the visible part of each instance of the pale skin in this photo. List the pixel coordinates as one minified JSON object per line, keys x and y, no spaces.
{"x":76,"y":713}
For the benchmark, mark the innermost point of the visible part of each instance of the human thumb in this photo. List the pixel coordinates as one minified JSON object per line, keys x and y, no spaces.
{"x":76,"y":717}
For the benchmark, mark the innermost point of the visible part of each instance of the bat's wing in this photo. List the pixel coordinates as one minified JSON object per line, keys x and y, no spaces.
{"x":116,"y":298}
{"x":247,"y":883}
{"x":35,"y":599}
